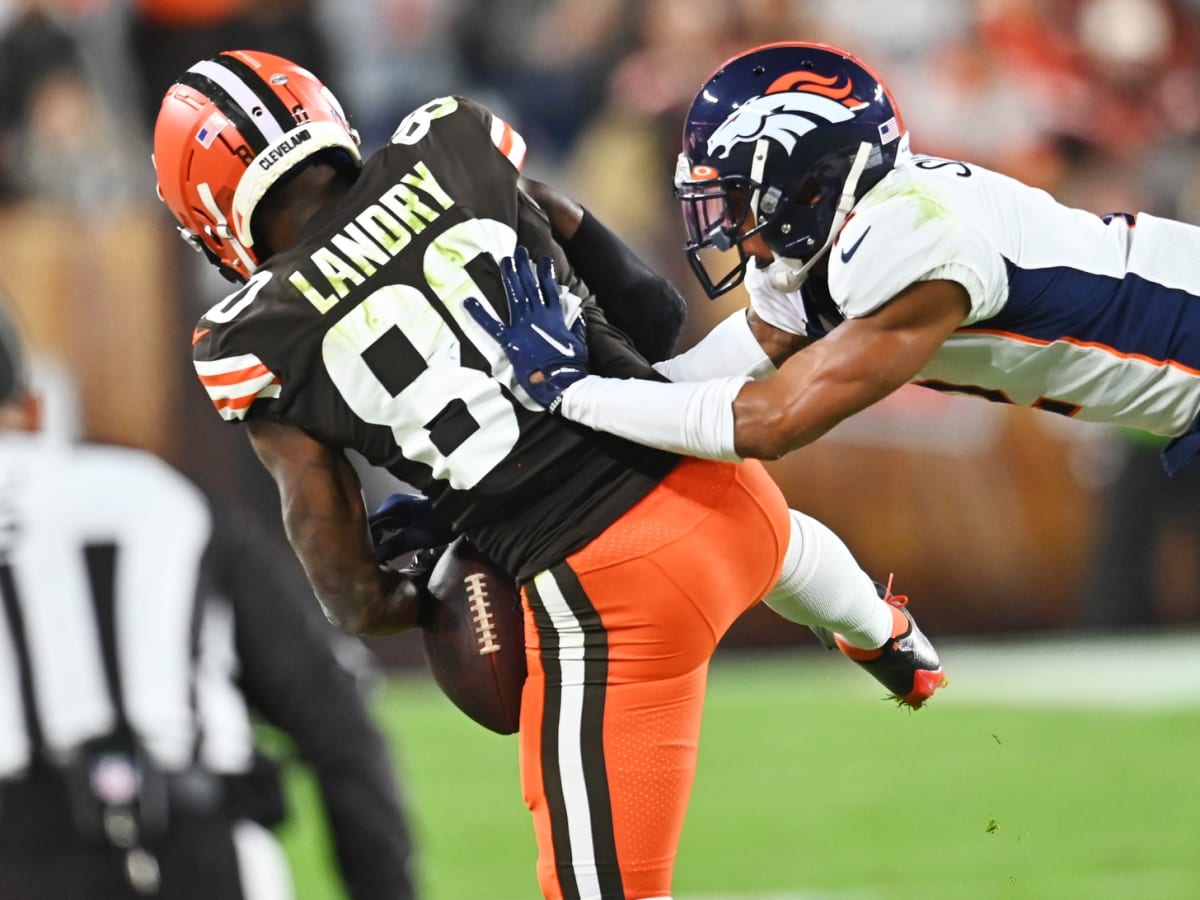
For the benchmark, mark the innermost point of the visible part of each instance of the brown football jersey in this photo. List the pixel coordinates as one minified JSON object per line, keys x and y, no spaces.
{"x":358,"y":335}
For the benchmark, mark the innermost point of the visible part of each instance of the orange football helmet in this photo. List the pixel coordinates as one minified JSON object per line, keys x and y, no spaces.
{"x":230,"y":128}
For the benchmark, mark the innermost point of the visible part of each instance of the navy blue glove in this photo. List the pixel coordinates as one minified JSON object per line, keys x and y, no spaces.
{"x":547,"y":356}
{"x":405,"y":522}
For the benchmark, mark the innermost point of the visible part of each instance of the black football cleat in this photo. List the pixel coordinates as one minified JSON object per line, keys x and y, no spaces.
{"x":907,"y":665}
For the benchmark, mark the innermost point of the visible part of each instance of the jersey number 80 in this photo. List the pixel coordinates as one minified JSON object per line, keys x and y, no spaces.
{"x":411,"y":409}
{"x":444,"y":380}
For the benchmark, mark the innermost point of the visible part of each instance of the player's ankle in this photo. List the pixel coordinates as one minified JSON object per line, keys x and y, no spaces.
{"x":873,"y":632}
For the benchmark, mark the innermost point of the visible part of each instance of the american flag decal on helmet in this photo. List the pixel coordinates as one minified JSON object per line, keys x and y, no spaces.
{"x":208,"y":132}
{"x":889,"y":131}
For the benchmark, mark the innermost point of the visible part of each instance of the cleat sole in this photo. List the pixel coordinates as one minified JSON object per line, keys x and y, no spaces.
{"x":925,"y":683}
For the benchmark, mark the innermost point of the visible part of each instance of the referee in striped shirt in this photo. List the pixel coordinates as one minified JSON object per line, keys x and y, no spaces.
{"x":136,"y":632}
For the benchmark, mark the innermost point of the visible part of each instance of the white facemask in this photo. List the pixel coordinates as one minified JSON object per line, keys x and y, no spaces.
{"x":786,"y":274}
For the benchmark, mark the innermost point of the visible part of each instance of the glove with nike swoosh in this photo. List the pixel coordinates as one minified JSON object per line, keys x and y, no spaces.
{"x":548,"y":355}
{"x":405,"y":522}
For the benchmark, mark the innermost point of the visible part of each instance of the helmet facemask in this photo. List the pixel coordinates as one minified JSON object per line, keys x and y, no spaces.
{"x":796,"y":218}
{"x":715,"y":213}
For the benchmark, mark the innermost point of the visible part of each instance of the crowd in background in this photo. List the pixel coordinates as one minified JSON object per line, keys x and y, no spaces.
{"x":1098,"y":101}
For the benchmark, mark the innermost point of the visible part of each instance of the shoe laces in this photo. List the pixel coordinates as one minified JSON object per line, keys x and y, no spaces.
{"x":898,"y":600}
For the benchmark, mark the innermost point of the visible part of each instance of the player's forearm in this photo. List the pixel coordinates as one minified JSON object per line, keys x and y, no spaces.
{"x":709,"y":420}
{"x":356,"y":594}
{"x":390,"y":604}
{"x":837,"y":377}
{"x":723,"y":418}
{"x":768,"y":425}
{"x":693,"y":419}
{"x":326,"y":523}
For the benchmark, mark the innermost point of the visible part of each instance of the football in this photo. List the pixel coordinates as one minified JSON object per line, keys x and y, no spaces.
{"x":474,"y":636}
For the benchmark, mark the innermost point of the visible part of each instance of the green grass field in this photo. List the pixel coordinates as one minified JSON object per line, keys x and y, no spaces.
{"x":1042,"y":772}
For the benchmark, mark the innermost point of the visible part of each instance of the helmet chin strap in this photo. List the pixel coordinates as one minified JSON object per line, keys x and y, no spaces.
{"x":786,"y":274}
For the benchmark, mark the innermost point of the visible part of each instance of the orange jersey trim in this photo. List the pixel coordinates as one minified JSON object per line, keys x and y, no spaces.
{"x":239,"y":375}
{"x":1112,"y":351}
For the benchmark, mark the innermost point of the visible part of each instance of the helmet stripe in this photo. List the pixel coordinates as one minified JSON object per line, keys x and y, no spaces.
{"x":241,"y":120}
{"x":267,"y":96}
{"x":237,"y":100}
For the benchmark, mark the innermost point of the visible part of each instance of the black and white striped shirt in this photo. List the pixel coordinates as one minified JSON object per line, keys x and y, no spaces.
{"x":100,"y":563}
{"x":123,"y":595}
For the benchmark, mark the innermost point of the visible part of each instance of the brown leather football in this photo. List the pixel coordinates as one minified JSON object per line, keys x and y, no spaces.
{"x":474,"y":636}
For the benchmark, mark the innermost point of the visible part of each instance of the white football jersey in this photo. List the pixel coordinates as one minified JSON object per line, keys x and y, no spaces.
{"x":1091,"y":317}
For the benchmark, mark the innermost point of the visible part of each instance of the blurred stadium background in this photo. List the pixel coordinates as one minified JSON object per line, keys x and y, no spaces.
{"x":1051,"y":769}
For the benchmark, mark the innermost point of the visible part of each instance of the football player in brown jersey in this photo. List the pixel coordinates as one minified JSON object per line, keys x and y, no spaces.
{"x":351,"y":331}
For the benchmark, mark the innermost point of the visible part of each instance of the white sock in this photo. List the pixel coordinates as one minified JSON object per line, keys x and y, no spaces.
{"x":822,"y":584}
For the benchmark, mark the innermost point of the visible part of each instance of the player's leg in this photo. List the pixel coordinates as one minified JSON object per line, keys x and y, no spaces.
{"x":606,"y":768}
{"x":822,"y":586}
{"x":619,"y":640}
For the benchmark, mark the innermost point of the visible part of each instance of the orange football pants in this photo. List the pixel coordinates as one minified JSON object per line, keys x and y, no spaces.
{"x":618,"y":640}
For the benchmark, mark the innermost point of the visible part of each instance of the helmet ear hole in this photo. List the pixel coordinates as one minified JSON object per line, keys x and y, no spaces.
{"x":808,"y":193}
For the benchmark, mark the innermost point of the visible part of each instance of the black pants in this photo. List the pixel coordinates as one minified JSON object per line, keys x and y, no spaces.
{"x":42,"y":856}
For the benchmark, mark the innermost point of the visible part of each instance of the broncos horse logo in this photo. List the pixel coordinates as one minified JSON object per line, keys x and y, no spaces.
{"x":791,"y":107}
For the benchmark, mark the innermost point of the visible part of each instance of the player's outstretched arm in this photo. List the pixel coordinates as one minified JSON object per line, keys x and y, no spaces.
{"x":326,"y":524}
{"x":857,"y":364}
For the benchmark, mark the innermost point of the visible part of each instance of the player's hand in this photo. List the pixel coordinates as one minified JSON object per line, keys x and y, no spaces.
{"x":548,"y":352}
{"x":405,"y":522}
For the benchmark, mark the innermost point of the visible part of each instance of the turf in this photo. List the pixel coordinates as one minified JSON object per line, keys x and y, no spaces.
{"x":810,"y":787}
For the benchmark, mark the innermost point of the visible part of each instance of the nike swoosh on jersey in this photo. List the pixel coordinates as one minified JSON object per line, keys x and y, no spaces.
{"x":853,"y":248}
{"x":562,"y":348}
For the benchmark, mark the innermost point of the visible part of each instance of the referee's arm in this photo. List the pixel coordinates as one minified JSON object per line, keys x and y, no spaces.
{"x":291,"y":675}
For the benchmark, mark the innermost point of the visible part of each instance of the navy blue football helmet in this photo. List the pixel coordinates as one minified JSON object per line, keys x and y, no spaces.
{"x":781,"y":141}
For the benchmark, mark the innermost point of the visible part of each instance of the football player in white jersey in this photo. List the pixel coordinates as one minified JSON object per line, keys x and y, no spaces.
{"x":869,"y":267}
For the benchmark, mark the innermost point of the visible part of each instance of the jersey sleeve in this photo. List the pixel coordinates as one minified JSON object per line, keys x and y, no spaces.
{"x":417,"y":124}
{"x":904,"y":238}
{"x":236,"y":383}
{"x":507,"y":140}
